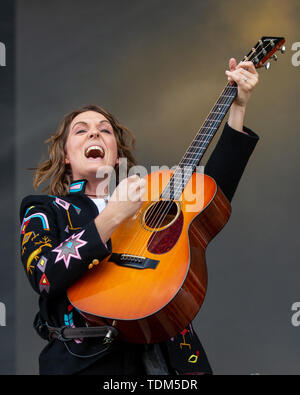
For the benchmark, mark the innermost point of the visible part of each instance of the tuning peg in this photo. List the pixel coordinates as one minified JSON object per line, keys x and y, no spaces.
{"x":267,"y":65}
{"x":282,"y":49}
{"x":275,"y":57}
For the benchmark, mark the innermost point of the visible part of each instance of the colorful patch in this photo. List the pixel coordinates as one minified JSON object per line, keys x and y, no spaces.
{"x":194,"y":357}
{"x":66,"y":205}
{"x":26,"y":238}
{"x":184,"y":343}
{"x":76,"y":186}
{"x":68,"y":320}
{"x":44,"y":284}
{"x":41,"y":216}
{"x":62,"y":203}
{"x":42,"y":264}
{"x":45,"y":242}
{"x":24,"y":226}
{"x":78,"y":210}
{"x":69,"y":248}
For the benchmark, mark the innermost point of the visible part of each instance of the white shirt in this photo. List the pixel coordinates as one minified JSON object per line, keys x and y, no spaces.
{"x":100,"y":203}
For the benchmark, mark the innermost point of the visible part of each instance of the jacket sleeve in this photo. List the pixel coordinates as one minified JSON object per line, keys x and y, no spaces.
{"x":51,"y":263}
{"x":229,"y":158}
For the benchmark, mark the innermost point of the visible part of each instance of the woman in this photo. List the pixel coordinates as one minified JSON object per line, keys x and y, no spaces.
{"x":64,"y":231}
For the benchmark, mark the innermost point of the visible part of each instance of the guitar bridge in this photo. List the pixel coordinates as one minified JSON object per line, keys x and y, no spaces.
{"x":133,"y":261}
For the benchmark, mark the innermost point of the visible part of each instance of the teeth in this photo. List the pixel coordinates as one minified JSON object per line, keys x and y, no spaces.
{"x":93,"y":148}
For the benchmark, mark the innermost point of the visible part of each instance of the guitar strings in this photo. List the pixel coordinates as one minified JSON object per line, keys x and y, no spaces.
{"x":201,"y":140}
{"x":214,"y":120}
{"x":211,"y":121}
{"x":204,"y":138}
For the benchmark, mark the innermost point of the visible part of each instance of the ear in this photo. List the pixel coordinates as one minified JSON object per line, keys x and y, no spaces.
{"x":117,"y":161}
{"x":67,"y":162}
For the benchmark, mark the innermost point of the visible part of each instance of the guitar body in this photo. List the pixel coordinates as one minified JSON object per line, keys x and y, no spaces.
{"x":154,"y":283}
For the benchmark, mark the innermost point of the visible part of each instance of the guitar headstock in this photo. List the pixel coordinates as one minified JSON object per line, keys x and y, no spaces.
{"x":264,"y":50}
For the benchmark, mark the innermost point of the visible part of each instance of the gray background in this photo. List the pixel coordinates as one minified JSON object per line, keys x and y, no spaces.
{"x":7,"y":182}
{"x":159,"y":65}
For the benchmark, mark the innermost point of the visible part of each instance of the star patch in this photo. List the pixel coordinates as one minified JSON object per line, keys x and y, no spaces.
{"x":69,"y":248}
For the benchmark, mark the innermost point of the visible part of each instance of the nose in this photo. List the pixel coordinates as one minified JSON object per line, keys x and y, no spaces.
{"x":94,"y":133}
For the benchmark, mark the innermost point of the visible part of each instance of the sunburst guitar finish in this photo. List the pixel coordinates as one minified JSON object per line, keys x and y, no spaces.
{"x":154,"y":283}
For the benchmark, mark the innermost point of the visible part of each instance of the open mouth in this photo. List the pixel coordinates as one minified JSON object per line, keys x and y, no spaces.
{"x":94,"y":152}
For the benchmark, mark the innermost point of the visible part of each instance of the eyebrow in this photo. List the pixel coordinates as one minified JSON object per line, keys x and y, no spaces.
{"x":86,"y":124}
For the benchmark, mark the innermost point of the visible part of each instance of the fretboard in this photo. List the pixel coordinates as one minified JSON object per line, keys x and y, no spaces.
{"x":197,"y":148}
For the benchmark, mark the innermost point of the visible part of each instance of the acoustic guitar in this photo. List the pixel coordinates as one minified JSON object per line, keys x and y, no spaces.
{"x":154,"y":282}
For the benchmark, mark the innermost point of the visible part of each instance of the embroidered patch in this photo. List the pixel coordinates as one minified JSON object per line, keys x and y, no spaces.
{"x":78,"y":210}
{"x":41,"y":216}
{"x":62,"y":203}
{"x":68,"y":320}
{"x":194,"y":357}
{"x":44,"y":284}
{"x":184,"y":343}
{"x":42,"y":264}
{"x":76,"y":187}
{"x":66,"y":205}
{"x":26,"y":239}
{"x":69,"y":248}
{"x":45,"y":242}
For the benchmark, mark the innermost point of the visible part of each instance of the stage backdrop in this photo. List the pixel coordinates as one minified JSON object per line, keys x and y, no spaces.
{"x":7,"y":176}
{"x":159,"y":66}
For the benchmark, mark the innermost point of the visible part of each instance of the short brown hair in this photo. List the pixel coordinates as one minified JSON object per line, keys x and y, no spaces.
{"x":57,"y":172}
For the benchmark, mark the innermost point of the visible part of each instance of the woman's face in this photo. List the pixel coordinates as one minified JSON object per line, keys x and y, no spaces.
{"x":91,"y":144}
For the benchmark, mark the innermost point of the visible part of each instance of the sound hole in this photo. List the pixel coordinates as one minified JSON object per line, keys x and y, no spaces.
{"x":161,"y":214}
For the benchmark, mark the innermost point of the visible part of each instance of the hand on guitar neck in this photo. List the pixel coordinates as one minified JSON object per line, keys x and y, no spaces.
{"x":245,"y":76}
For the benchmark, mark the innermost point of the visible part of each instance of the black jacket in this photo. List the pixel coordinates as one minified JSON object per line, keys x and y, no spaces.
{"x":59,"y":240}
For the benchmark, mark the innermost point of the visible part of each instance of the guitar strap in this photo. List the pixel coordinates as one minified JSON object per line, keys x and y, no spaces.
{"x":185,"y":353}
{"x":67,"y":333}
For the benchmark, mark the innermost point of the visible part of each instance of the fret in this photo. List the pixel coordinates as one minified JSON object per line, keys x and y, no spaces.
{"x":186,"y":173}
{"x":198,"y":141}
{"x":187,"y":161}
{"x":218,"y":112}
{"x":191,"y":153}
{"x":209,"y":123}
{"x":231,"y":96}
{"x":207,"y":127}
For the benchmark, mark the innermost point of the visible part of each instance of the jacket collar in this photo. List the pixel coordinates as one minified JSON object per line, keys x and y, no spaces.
{"x":77,"y":186}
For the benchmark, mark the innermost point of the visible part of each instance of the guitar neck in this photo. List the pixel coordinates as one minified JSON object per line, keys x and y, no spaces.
{"x":264,"y":49}
{"x":199,"y":145}
{"x":209,"y":128}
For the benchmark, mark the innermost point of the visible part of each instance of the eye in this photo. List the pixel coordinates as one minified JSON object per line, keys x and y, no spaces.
{"x":106,"y":131}
{"x":80,"y":131}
